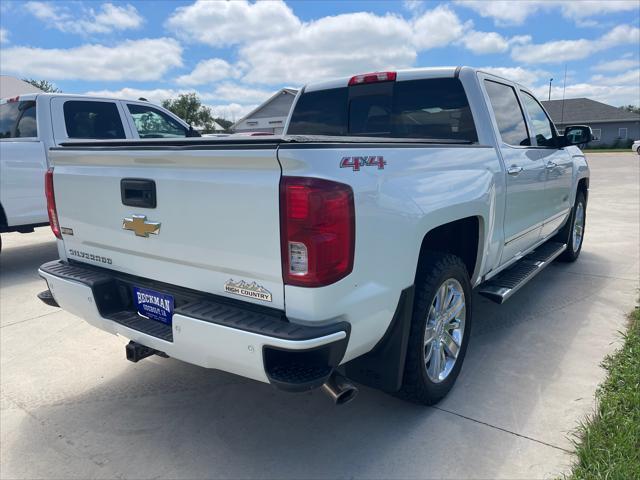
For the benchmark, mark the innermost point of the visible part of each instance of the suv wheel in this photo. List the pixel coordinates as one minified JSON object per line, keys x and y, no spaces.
{"x":440,"y":329}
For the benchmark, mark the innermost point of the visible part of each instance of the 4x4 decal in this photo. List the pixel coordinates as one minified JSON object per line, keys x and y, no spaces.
{"x":355,"y":163}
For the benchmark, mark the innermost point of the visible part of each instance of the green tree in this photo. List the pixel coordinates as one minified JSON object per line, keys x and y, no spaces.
{"x":44,"y":85}
{"x":189,"y":107}
{"x":631,"y":108}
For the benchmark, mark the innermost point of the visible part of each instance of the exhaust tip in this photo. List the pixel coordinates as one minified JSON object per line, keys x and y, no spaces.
{"x":339,"y":389}
{"x":347,"y":396}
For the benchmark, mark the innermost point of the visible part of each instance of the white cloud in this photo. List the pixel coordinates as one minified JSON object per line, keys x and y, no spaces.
{"x":414,"y":6}
{"x":209,"y":71}
{"x":329,"y":47}
{"x":107,"y":19}
{"x":504,"y":12}
{"x":275,"y":46}
{"x":230,"y":111}
{"x":616,"y":65}
{"x":509,"y":12}
{"x":4,"y":35}
{"x":227,"y":23}
{"x":238,"y":93}
{"x":564,"y":50}
{"x":156,"y":95}
{"x":485,"y":42}
{"x":520,"y":75}
{"x":137,"y":60}
{"x":631,"y":77}
{"x":490,"y":42}
{"x":596,"y":8}
{"x":621,"y":89}
{"x":437,"y":28}
{"x":612,"y":94}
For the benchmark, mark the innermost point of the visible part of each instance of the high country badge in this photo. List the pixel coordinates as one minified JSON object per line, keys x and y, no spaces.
{"x":244,"y":289}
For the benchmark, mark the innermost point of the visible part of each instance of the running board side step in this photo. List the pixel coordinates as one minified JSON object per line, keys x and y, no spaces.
{"x":506,"y":283}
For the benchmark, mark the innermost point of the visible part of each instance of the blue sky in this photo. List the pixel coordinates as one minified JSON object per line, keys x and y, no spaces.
{"x":235,"y":54}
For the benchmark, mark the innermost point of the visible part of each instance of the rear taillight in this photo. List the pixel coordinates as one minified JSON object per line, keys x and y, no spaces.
{"x":51,"y":203}
{"x":374,"y":77}
{"x":317,"y":231}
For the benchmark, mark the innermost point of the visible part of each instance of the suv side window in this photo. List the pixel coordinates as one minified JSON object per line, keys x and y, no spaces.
{"x":152,"y":123}
{"x":18,"y":120}
{"x":542,"y":126}
{"x":90,"y":119}
{"x":508,"y":114}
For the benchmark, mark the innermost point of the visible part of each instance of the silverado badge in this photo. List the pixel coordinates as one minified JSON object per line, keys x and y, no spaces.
{"x":139,"y":225}
{"x":251,"y":290}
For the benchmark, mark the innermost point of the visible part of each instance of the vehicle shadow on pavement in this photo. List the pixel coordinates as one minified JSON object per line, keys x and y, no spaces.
{"x":19,"y":263}
{"x":165,"y":418}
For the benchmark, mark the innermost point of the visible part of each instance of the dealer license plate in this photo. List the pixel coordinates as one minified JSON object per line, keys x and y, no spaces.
{"x":154,"y":305}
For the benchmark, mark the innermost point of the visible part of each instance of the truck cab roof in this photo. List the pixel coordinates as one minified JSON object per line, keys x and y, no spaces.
{"x":406,"y":74}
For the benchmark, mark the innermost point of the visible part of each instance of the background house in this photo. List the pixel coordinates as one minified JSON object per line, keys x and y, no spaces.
{"x":611,"y":125}
{"x":11,"y":87}
{"x":269,"y":116}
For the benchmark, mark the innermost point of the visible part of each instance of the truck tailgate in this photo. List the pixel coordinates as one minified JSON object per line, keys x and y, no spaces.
{"x":217,"y":208}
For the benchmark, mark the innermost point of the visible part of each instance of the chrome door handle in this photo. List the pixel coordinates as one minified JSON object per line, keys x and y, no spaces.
{"x":514,"y":170}
{"x":551,"y":165}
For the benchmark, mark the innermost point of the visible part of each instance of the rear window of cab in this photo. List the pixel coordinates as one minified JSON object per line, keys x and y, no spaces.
{"x":429,"y":109}
{"x":91,"y":119}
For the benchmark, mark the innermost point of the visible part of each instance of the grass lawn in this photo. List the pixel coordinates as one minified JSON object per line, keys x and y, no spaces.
{"x":608,"y":443}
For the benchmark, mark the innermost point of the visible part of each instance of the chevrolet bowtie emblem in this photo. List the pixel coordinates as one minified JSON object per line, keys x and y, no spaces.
{"x":139,"y":225}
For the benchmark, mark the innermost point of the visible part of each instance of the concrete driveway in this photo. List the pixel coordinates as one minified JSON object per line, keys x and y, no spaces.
{"x":73,"y":407}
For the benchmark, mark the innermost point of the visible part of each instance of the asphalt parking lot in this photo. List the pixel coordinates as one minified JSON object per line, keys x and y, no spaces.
{"x":72,"y":406}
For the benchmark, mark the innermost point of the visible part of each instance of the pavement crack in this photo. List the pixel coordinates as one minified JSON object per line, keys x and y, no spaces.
{"x":503,"y":430}
{"x":27,"y":319}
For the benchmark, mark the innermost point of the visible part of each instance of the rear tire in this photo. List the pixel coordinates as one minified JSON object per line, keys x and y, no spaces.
{"x":436,"y":349}
{"x":573,"y":232}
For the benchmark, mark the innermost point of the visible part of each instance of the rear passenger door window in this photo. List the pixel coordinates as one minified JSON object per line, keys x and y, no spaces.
{"x":93,"y":120}
{"x":150,"y":122}
{"x":508,"y":114}
{"x":543,"y":130}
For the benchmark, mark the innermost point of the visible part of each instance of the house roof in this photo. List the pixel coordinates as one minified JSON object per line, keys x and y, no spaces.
{"x":585,"y":110}
{"x":12,"y":87}
{"x":215,"y":125}
{"x":291,"y":91}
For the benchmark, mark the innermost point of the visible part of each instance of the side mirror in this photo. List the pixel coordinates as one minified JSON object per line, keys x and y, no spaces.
{"x":192,"y":132}
{"x":577,"y":135}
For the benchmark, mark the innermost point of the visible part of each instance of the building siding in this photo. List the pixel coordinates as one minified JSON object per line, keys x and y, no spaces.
{"x":268,"y":117}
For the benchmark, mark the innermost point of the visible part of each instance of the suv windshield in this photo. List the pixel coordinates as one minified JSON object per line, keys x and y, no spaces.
{"x":429,"y":109}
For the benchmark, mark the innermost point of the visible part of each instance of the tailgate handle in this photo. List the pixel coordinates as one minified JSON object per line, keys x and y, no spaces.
{"x":138,"y":192}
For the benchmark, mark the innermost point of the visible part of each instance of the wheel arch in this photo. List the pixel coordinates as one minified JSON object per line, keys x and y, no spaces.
{"x":463,"y":237}
{"x":583,"y":186}
{"x":3,"y":217}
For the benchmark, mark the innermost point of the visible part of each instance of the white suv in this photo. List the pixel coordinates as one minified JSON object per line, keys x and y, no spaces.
{"x":31,"y":124}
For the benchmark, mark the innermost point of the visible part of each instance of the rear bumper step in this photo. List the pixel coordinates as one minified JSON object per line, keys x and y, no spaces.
{"x":207,"y":330}
{"x":501,"y":287}
{"x":47,"y":298}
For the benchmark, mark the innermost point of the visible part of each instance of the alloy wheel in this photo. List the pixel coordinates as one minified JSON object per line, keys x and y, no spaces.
{"x":444,"y":330}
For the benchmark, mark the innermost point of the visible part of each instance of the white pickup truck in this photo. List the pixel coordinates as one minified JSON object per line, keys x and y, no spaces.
{"x":346,"y":249}
{"x":31,"y":124}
